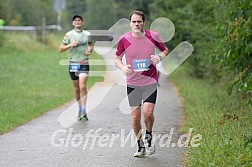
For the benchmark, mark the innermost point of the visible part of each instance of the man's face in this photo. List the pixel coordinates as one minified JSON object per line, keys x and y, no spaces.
{"x":137,"y":23}
{"x":77,"y":23}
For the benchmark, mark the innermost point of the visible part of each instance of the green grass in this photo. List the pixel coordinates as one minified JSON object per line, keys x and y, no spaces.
{"x":225,"y":123}
{"x":32,"y":80}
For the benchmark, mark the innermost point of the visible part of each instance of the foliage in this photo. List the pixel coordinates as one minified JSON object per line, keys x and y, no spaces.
{"x":221,"y":33}
{"x":100,"y":14}
{"x":234,"y":51}
{"x":26,"y":12}
{"x":194,"y":22}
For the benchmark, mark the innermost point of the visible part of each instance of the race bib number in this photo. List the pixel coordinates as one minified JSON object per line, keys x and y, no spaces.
{"x":141,"y":64}
{"x":74,"y":67}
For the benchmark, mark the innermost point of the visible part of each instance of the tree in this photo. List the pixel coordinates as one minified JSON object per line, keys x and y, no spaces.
{"x":101,"y":14}
{"x":193,"y":22}
{"x":234,"y":51}
{"x":26,"y":12}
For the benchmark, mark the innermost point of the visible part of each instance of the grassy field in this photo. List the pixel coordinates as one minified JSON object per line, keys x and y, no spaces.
{"x":32,"y":80}
{"x":225,"y":123}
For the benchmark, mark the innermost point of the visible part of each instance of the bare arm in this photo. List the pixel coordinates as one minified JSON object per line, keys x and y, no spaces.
{"x":89,"y":49}
{"x":157,"y":58}
{"x":63,"y":47}
{"x":164,"y":53}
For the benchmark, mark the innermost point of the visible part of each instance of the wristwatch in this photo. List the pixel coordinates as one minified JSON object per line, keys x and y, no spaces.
{"x":160,"y":57}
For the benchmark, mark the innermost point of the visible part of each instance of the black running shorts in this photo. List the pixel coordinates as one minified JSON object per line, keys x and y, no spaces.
{"x":84,"y":68}
{"x":139,"y":94}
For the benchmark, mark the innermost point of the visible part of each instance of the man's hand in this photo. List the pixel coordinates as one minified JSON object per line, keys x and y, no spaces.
{"x":89,"y":50}
{"x":155,"y":59}
{"x":127,"y":70}
{"x":64,"y":47}
{"x":74,"y":44}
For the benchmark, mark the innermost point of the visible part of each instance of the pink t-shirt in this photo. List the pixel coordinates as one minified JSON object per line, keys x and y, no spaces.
{"x":137,"y":53}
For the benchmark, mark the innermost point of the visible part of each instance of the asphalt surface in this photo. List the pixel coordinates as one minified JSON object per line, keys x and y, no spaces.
{"x":56,"y":139}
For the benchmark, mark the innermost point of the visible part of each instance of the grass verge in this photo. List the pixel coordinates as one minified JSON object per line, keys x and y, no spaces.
{"x":223,"y":121}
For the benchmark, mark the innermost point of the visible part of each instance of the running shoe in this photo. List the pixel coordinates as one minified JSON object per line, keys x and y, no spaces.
{"x":84,"y":117}
{"x":79,"y":116}
{"x":150,"y":147}
{"x":140,"y":152}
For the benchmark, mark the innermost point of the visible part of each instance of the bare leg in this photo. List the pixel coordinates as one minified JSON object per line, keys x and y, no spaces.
{"x":83,"y":89}
{"x":136,"y":121}
{"x":148,"y":109}
{"x":149,"y":121}
{"x":77,"y":91}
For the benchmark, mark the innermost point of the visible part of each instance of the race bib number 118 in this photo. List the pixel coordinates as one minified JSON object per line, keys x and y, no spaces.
{"x":141,"y":64}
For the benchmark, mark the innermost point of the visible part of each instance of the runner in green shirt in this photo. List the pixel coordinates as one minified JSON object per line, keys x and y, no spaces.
{"x":80,"y":46}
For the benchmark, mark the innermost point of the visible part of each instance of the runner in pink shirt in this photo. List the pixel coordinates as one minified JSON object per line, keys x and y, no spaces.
{"x":138,"y":48}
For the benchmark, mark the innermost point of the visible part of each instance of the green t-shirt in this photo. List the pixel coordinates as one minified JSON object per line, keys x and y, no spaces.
{"x":77,"y":54}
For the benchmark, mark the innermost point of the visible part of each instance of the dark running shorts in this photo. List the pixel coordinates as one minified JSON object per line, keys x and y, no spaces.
{"x":84,"y":68}
{"x":139,"y":94}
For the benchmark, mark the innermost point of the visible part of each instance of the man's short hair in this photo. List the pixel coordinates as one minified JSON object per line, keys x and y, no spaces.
{"x":77,"y":16}
{"x":138,"y":12}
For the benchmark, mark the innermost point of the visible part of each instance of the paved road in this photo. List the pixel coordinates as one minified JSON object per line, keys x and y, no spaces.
{"x":55,"y":139}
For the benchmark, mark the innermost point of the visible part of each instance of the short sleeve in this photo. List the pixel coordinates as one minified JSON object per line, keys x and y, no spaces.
{"x":160,"y":45}
{"x":66,"y":40}
{"x":88,"y":34}
{"x":120,"y":48}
